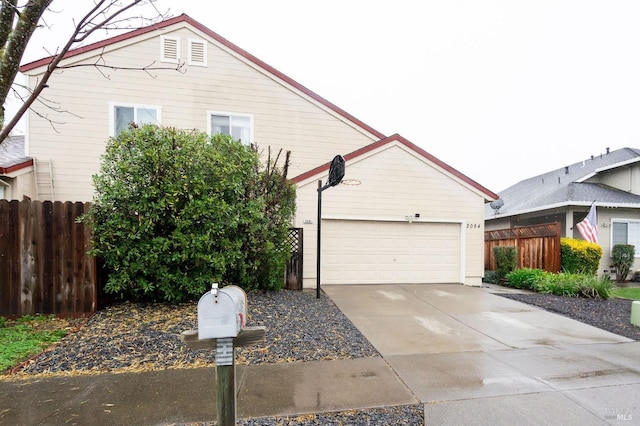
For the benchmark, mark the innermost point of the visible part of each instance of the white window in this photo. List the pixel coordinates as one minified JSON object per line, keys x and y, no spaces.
{"x":122,"y":115}
{"x":238,"y":126}
{"x":198,"y":53}
{"x":626,"y":232}
{"x":169,"y":49}
{"x":1,"y":191}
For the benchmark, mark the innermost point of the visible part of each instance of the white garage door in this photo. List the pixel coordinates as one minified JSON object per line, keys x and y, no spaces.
{"x":371,"y":252}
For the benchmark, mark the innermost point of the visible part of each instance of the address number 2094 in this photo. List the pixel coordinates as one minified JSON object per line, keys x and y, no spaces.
{"x":473,"y":225}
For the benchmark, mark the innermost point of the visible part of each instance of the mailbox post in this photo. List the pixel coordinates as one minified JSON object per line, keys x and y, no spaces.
{"x":222,"y":315}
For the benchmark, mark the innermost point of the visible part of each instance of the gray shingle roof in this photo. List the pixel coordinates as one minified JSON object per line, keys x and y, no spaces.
{"x":12,"y":152}
{"x":564,"y":187}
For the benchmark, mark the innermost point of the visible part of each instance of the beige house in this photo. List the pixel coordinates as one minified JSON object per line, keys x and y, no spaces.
{"x":405,"y":217}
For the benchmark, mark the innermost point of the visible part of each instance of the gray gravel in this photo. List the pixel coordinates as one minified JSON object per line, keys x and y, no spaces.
{"x":135,"y":336}
{"x":611,"y":315}
{"x":138,"y":337}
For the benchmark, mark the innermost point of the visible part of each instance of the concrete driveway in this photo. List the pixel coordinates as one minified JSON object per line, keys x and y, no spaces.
{"x":473,"y":357}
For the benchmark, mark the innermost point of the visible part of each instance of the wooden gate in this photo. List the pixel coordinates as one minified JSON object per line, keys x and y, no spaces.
{"x":44,"y":266}
{"x":538,"y":246}
{"x":293,"y":274}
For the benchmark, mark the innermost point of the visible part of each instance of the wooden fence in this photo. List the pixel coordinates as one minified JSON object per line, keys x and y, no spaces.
{"x":44,"y":267}
{"x":538,"y":246}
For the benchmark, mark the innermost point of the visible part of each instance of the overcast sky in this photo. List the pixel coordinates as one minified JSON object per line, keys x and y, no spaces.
{"x":501,"y":90}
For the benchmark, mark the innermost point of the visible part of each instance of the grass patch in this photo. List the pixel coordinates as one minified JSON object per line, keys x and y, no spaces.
{"x":632,"y":293}
{"x":27,"y":336}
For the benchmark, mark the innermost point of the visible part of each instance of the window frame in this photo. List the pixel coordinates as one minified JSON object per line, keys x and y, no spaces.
{"x":135,"y":106}
{"x":231,"y":115}
{"x":627,"y":222}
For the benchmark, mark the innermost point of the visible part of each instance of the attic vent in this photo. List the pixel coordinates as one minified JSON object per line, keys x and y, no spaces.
{"x":198,"y":53}
{"x":169,"y":49}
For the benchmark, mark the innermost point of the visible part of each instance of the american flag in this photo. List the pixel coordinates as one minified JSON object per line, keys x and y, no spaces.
{"x":588,"y":228}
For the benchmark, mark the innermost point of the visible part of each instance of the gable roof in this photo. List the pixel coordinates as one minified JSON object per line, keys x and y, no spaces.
{"x":567,"y":186}
{"x":489,"y":196}
{"x":12,"y":156}
{"x":97,"y":46}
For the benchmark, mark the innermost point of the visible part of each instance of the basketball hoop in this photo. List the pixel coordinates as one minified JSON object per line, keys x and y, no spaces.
{"x":351,"y":182}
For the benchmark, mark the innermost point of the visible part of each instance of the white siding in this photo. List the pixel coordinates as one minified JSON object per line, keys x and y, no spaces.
{"x":283,"y":118}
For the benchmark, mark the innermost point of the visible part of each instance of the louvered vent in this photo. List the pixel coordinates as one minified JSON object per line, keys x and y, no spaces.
{"x":198,"y":53}
{"x":170,"y":49}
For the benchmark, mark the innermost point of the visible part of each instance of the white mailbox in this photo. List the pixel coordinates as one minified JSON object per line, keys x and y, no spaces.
{"x":222,"y":312}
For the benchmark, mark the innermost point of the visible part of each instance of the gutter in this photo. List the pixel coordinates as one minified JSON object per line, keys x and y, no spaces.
{"x":565,"y":204}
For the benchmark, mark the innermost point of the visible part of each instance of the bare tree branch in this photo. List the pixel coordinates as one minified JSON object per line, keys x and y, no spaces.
{"x":103,"y":14}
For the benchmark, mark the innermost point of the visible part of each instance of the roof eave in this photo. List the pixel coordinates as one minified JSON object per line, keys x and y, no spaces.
{"x":239,"y":51}
{"x":487,"y":194}
{"x":564,"y":204}
{"x":12,"y":171}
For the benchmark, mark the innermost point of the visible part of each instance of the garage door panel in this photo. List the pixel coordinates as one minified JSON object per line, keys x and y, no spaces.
{"x":372,"y":252}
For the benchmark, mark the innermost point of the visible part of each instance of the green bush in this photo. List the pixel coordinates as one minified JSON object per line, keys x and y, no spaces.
{"x":562,"y":284}
{"x":579,"y":256}
{"x":491,"y":277}
{"x":574,"y":285}
{"x":623,"y":256}
{"x":525,"y":278}
{"x":177,"y":210}
{"x":506,"y":258}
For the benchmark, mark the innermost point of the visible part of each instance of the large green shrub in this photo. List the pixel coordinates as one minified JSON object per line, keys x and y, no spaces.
{"x":176,"y":210}
{"x":579,"y":256}
{"x":506,"y":258}
{"x":264,"y":251}
{"x":622,"y":259}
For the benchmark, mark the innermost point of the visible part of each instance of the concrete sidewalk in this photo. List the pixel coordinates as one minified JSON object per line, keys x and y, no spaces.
{"x":470,"y":356}
{"x":188,"y":395}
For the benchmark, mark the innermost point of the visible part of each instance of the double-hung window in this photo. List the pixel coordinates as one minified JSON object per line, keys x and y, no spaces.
{"x":626,"y":232}
{"x":239,"y":127}
{"x":122,"y":115}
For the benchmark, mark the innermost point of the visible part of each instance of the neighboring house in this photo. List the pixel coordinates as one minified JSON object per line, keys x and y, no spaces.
{"x":410,"y":218}
{"x":15,"y":169}
{"x":611,"y":180}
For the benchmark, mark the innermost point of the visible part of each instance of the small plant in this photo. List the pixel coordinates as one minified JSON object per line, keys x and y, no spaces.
{"x":491,"y":277}
{"x":562,"y":284}
{"x":623,"y":255}
{"x":525,"y":278}
{"x":594,"y":287}
{"x":506,"y":260}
